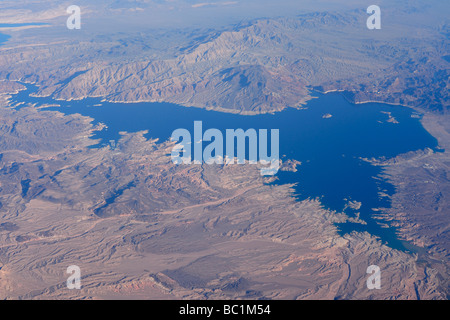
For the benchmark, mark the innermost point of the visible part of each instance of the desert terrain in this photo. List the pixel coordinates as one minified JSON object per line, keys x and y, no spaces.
{"x":141,"y":227}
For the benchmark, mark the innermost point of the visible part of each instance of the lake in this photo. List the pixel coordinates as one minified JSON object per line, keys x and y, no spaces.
{"x":329,"y":137}
{"x":5,"y":37}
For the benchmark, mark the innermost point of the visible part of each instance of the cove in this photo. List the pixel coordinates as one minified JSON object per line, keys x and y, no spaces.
{"x":329,"y":137}
{"x":5,"y":37}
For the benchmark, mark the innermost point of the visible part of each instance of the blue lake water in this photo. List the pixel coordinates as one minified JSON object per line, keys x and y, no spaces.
{"x":329,"y":148}
{"x":5,"y":37}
